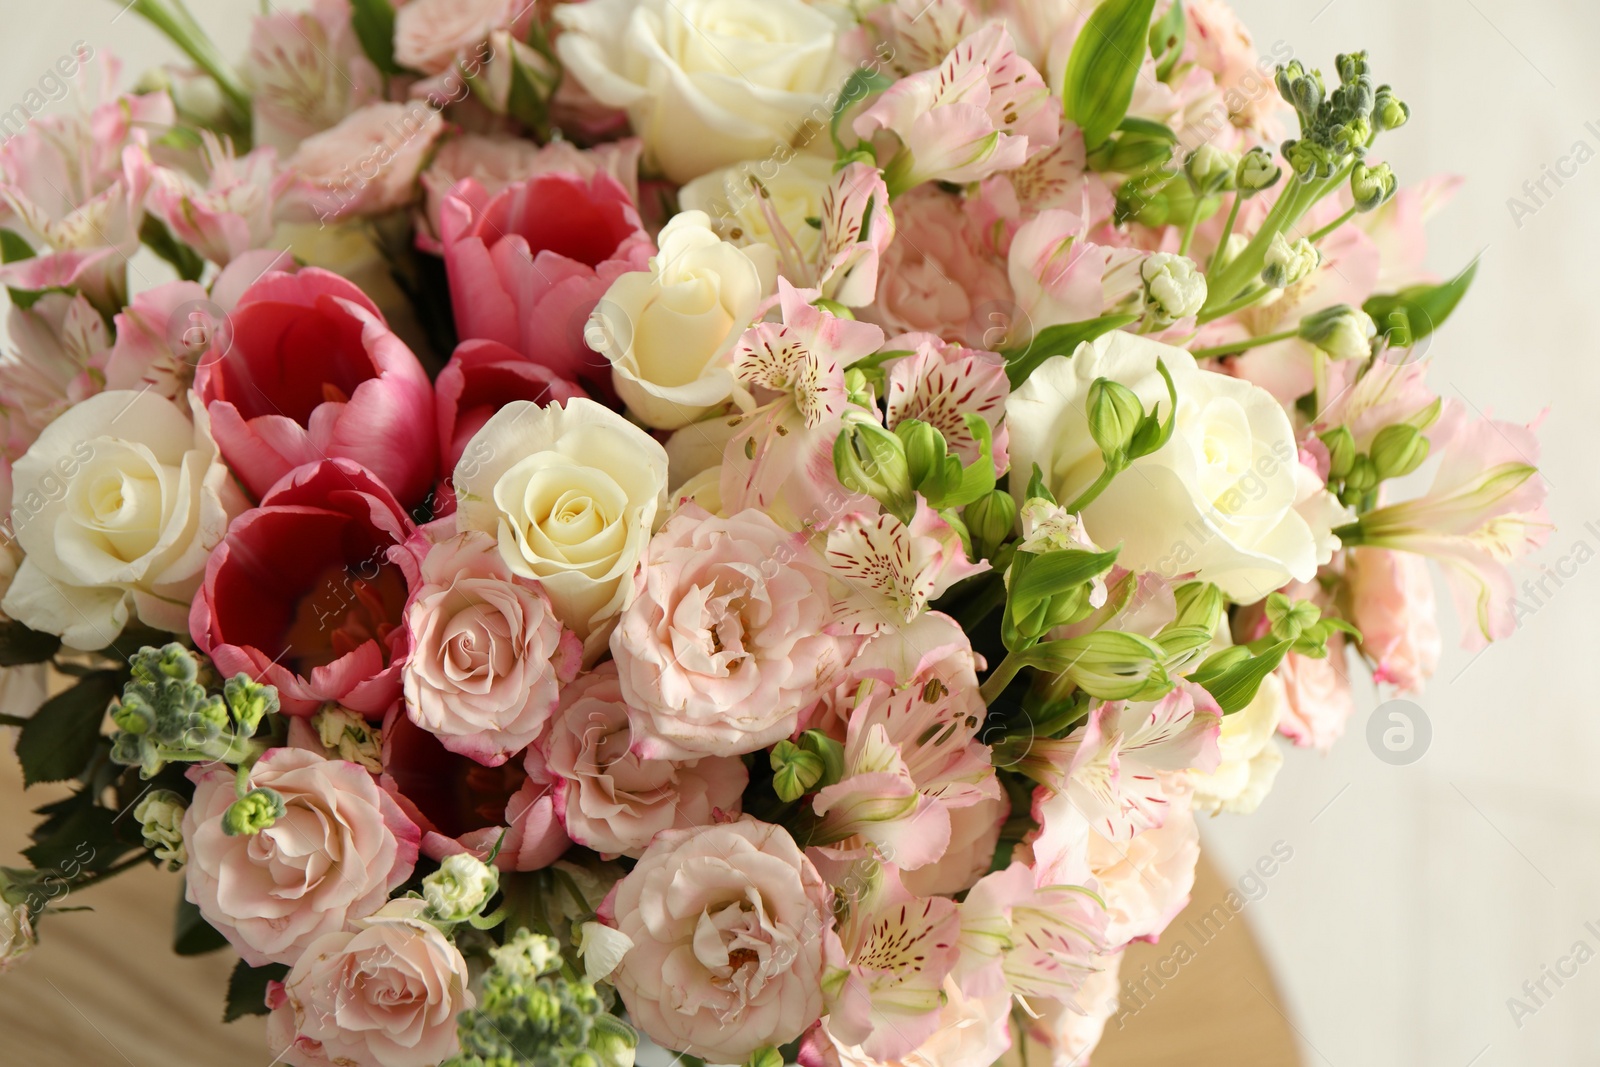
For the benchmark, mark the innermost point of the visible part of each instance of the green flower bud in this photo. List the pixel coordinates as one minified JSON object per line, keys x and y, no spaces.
{"x":870,"y":460}
{"x":1290,"y":618}
{"x":1211,"y":169}
{"x":1343,"y":332}
{"x":990,"y":520}
{"x":1114,"y":415}
{"x":1304,"y":90}
{"x":1353,"y":66}
{"x":765,"y":1057}
{"x":925,"y":449}
{"x":1289,"y":264}
{"x":829,"y":751}
{"x":133,"y":714}
{"x":1372,"y":186}
{"x":1389,"y":112}
{"x":858,"y":389}
{"x":612,"y":1041}
{"x":160,"y":818}
{"x":1174,"y":288}
{"x":794,"y":771}
{"x":1200,"y":604}
{"x":460,"y":888}
{"x":250,"y":701}
{"x":1258,"y":170}
{"x":1398,"y":450}
{"x":1107,"y":664}
{"x":1363,"y":476}
{"x":1341,"y":451}
{"x":253,"y":812}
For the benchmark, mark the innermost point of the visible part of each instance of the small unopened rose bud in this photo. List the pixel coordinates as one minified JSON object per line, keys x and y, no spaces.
{"x":1343,"y":332}
{"x":1258,"y":170}
{"x":1398,"y":450}
{"x":1174,"y":288}
{"x":1211,"y":169}
{"x":1289,"y":264}
{"x":1114,"y":415}
{"x":1371,"y":187}
{"x":160,"y":818}
{"x":255,"y":811}
{"x":460,"y":888}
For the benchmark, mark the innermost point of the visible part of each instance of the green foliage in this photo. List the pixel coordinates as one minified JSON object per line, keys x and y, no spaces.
{"x":247,"y":989}
{"x":1104,"y":65}
{"x":1406,"y":317}
{"x":373,"y":22}
{"x":60,"y":739}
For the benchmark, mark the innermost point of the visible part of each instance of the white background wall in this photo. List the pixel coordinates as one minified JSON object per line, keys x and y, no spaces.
{"x":1419,"y":898}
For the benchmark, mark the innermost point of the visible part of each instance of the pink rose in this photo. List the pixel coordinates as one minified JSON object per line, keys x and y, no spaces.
{"x":306,"y":592}
{"x":612,"y":799}
{"x":314,"y":372}
{"x":463,"y":806}
{"x":1319,"y":697}
{"x":366,"y":165}
{"x":1392,"y":603}
{"x":724,"y":645}
{"x":480,"y":379}
{"x":731,"y":928}
{"x":383,"y":995}
{"x":335,"y":855}
{"x":488,"y":656}
{"x":528,"y":264}
{"x":430,"y":34}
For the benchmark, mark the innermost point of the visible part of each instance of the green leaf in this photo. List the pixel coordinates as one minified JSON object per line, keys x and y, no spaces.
{"x":1406,"y":317}
{"x":373,"y":21}
{"x":185,"y":260}
{"x":13,"y":248}
{"x":860,"y":85}
{"x":192,"y":935}
{"x":1062,"y":340}
{"x":79,"y":836}
{"x":61,"y":737}
{"x":20,"y":645}
{"x":1037,"y":489}
{"x":1166,"y":39}
{"x":1103,"y":65}
{"x":1233,"y":681}
{"x":1036,"y":577}
{"x":247,"y":989}
{"x":526,"y":103}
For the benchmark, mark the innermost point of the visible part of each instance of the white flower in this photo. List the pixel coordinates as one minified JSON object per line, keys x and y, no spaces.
{"x":1250,"y":758}
{"x":1221,"y":500}
{"x":707,"y":83}
{"x":669,"y":331}
{"x":1174,"y":287}
{"x":460,"y":887}
{"x":1289,"y":264}
{"x":117,"y":506}
{"x":571,"y":493}
{"x":349,"y":737}
{"x":160,"y":818}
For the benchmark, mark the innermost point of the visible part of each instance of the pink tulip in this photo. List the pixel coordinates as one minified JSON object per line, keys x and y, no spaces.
{"x":529,"y":264}
{"x":314,"y":373}
{"x":480,"y":379}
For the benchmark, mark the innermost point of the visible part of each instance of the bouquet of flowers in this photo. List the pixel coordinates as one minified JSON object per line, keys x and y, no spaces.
{"x":759,"y":523}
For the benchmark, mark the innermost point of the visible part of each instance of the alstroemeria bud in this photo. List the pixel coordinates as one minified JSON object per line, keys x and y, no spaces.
{"x":160,"y":818}
{"x":253,"y":812}
{"x":1174,"y":287}
{"x":1258,"y":170}
{"x":870,"y":460}
{"x":1200,"y":604}
{"x":1289,"y":264}
{"x":1398,"y":450}
{"x":990,"y":520}
{"x":460,"y":888}
{"x":1114,"y":414}
{"x":1210,"y":169}
{"x":1363,"y":476}
{"x":1107,"y":664}
{"x":1341,"y":445}
{"x":1389,"y":112}
{"x":1343,"y":332}
{"x":795,"y":772}
{"x":1371,"y":187}
{"x":765,"y":1057}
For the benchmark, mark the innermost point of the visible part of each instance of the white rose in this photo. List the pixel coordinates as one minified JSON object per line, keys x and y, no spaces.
{"x":572,"y":494}
{"x":668,"y":331}
{"x":707,"y":83}
{"x":117,"y":506}
{"x":1222,"y":500}
{"x":1250,"y":758}
{"x":741,"y":214}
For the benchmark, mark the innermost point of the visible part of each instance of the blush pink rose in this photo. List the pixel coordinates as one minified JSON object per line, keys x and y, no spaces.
{"x":732,"y":928}
{"x":1320,"y":703}
{"x":1392,"y":603}
{"x":480,"y":379}
{"x":313,"y":372}
{"x":528,"y":264}
{"x":724,"y":645}
{"x":342,"y":846}
{"x":463,"y":806}
{"x":385,"y":994}
{"x":366,"y":165}
{"x":488,"y":656}
{"x":306,"y":592}
{"x":612,"y":799}
{"x":429,"y":35}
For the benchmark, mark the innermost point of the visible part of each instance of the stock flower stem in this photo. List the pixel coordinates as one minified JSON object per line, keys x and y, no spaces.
{"x":1188,"y":233}
{"x":1240,"y":304}
{"x":1235,"y":347}
{"x":1334,"y":225}
{"x":1219,"y":255}
{"x":174,"y":20}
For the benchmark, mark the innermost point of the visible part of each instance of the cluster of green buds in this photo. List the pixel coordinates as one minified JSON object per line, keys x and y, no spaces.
{"x":1395,"y":451}
{"x":1337,"y":128}
{"x":1234,"y":675}
{"x":167,"y":715}
{"x":533,"y":1012}
{"x":812,"y":763}
{"x":913,"y":460}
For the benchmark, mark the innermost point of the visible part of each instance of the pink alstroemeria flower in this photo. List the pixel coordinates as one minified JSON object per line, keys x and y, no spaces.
{"x":233,"y":212}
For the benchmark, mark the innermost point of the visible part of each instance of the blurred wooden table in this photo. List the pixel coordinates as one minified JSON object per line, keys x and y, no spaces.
{"x":105,"y":988}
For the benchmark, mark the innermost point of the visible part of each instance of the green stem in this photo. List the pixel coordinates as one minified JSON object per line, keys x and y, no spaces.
{"x":1188,"y":231}
{"x":1319,"y":379}
{"x":1219,"y":254}
{"x":1250,"y":297}
{"x":174,"y":20}
{"x":1114,"y":466}
{"x":1002,"y":677}
{"x":1235,"y":347}
{"x":1334,"y":225}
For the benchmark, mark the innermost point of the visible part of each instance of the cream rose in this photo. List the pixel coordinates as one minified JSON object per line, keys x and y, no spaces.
{"x":571,"y":493}
{"x":117,"y":505}
{"x":669,"y":331}
{"x":1222,"y":500}
{"x":708,"y":82}
{"x":739,"y":211}
{"x":335,"y":854}
{"x":488,"y":655}
{"x":612,"y":799}
{"x":383,"y":995}
{"x":731,"y":927}
{"x":1249,"y":757}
